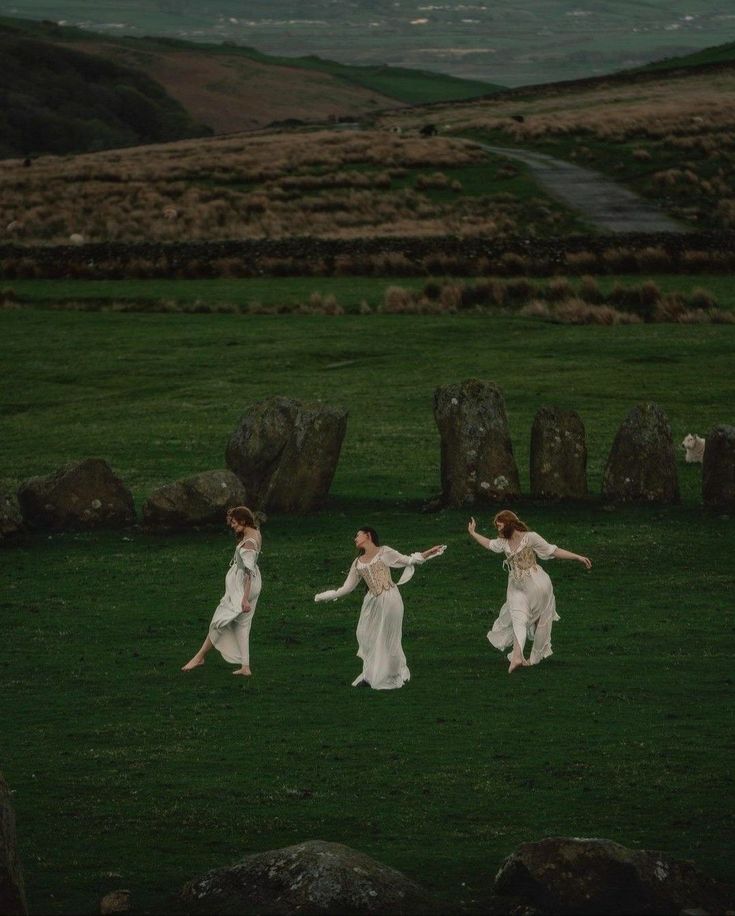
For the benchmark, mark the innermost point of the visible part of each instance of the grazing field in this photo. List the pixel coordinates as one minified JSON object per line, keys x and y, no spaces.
{"x":151,"y":776}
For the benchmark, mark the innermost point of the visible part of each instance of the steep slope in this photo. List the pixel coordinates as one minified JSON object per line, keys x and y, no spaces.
{"x":60,"y":100}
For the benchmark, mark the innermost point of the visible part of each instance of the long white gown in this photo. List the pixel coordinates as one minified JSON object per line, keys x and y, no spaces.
{"x":530,"y":607}
{"x":380,"y":626}
{"x":230,"y":628}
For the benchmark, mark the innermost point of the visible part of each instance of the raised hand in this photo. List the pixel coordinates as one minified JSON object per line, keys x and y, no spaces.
{"x":471,"y":527}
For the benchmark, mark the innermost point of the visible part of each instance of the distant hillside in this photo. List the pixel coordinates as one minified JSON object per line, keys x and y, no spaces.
{"x":60,"y":100}
{"x":504,"y":41}
{"x":226,"y":87}
{"x":720,"y":54}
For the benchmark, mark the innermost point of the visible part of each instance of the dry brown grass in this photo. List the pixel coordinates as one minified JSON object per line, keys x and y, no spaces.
{"x":672,"y":137}
{"x":268,"y":185}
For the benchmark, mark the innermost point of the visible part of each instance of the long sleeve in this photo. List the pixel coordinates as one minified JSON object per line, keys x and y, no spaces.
{"x":496,"y":545}
{"x":350,"y":584}
{"x":541,"y":548}
{"x":397,"y":560}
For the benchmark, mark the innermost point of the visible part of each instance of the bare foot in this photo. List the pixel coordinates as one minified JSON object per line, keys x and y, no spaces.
{"x":244,"y":671}
{"x":194,"y":663}
{"x":516,"y":663}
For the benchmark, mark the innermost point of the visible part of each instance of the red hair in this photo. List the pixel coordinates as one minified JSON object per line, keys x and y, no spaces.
{"x":509,"y":523}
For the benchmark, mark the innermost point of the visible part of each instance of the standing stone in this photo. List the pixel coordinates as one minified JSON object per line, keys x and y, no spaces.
{"x":285,"y":452}
{"x":580,"y":876}
{"x":194,"y":501}
{"x":477,"y":463}
{"x":11,"y":518}
{"x":310,"y":878}
{"x":558,"y":455}
{"x":718,"y":468}
{"x":83,"y":494}
{"x":642,"y":463}
{"x":12,"y":890}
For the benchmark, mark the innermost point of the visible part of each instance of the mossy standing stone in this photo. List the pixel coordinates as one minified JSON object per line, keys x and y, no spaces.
{"x":194,"y":502}
{"x":641,"y":467}
{"x":285,"y":452}
{"x":82,"y":494}
{"x":558,"y":455}
{"x":718,"y":468}
{"x":477,"y":463}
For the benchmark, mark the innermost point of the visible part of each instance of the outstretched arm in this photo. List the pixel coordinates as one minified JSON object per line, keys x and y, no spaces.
{"x":562,"y":554}
{"x":350,"y":584}
{"x":494,"y":544}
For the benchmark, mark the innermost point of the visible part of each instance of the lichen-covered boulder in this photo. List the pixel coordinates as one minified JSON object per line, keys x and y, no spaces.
{"x":116,"y":902}
{"x":11,"y":518}
{"x":641,"y":467}
{"x":194,"y":502}
{"x":558,"y":455}
{"x":310,"y":878}
{"x":477,"y":463}
{"x":718,"y":468}
{"x":580,"y":876}
{"x":82,"y":494}
{"x":285,"y":452}
{"x":12,"y":890}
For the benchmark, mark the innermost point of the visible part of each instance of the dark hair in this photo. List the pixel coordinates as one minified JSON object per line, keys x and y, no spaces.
{"x":366,"y":529}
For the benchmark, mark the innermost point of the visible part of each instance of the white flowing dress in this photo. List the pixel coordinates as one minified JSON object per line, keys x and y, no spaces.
{"x":230,"y":628}
{"x":380,"y":626}
{"x":530,"y":607}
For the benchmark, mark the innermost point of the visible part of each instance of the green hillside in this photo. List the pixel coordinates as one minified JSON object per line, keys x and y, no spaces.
{"x":59,"y":100}
{"x":720,"y":54}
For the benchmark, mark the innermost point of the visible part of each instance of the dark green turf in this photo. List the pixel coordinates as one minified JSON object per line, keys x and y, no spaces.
{"x":130,"y":774}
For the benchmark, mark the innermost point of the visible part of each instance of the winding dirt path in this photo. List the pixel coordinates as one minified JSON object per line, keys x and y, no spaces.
{"x":602,"y":203}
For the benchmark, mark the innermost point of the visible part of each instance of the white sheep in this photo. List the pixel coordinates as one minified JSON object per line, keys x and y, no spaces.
{"x":76,"y":238}
{"x":693,"y":445}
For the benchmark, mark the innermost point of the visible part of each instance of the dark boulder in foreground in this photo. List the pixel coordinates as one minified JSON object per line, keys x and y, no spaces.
{"x":285,"y":452}
{"x":310,"y":878}
{"x":582,"y":876}
{"x":641,"y":467}
{"x":718,"y":468}
{"x":194,"y":502}
{"x":82,"y":494}
{"x":477,"y":463}
{"x":12,"y":890}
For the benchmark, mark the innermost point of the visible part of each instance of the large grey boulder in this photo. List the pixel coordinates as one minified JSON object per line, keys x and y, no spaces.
{"x":558,"y":455}
{"x":581,"y":876}
{"x":310,"y":878}
{"x":11,"y":518}
{"x":82,"y":494}
{"x":718,"y":468}
{"x":477,"y":463}
{"x":12,"y":890}
{"x":641,"y":467}
{"x":194,"y":502}
{"x":285,"y":452}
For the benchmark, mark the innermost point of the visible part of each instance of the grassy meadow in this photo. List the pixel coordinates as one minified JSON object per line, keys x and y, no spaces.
{"x":128,"y":773}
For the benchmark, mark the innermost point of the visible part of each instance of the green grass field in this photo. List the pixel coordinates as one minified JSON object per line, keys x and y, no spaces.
{"x":130,"y":774}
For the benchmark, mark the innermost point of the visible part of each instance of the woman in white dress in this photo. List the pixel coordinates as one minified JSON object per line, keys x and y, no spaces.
{"x":530,"y":606}
{"x":229,"y":631}
{"x":379,"y":628}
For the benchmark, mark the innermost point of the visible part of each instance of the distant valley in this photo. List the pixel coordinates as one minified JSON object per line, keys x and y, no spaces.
{"x":498,"y":42}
